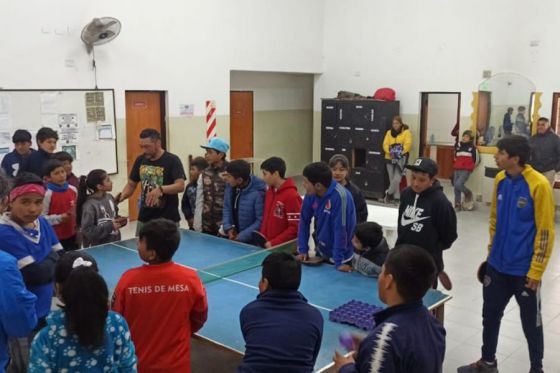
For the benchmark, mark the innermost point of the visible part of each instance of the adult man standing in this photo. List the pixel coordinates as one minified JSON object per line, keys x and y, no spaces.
{"x":521,"y":240}
{"x":545,"y":150}
{"x":162,"y":178}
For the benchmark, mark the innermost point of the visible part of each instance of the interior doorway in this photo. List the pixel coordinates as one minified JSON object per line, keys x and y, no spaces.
{"x":144,"y":109}
{"x":439,"y":113}
{"x":555,"y":117}
{"x":241,"y":124}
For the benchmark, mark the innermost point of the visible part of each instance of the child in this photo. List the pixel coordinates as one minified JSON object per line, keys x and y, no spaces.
{"x":370,"y":249}
{"x":213,"y":185}
{"x":282,"y":204}
{"x":35,"y":162}
{"x":333,"y":209}
{"x":83,"y":335}
{"x":22,"y":148}
{"x":243,"y":201}
{"x":171,"y":305}
{"x":426,"y":217}
{"x":406,"y":337}
{"x":465,"y":160}
{"x":59,"y":205}
{"x":96,"y":210}
{"x":30,"y":239}
{"x":17,"y":304}
{"x":282,"y":332}
{"x":340,"y":167}
{"x":188,"y":204}
{"x":67,"y":159}
{"x":396,"y":145}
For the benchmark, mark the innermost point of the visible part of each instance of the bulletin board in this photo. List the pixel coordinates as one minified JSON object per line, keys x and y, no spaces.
{"x":84,"y":120}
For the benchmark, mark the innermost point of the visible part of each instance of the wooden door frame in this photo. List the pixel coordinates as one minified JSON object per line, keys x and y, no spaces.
{"x":163,"y":112}
{"x":554,"y":119}
{"x":424,"y":104}
{"x":252,"y":116}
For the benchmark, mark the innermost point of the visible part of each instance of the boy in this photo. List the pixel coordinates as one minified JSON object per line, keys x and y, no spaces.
{"x":22,"y":148}
{"x":46,"y":141}
{"x":335,"y":218}
{"x":17,"y":304}
{"x":67,"y":159}
{"x":188,"y":204}
{"x":463,"y":166}
{"x":370,"y":249}
{"x":164,"y":303}
{"x":406,"y":337}
{"x":59,"y":205}
{"x":282,"y":204}
{"x":521,"y":240}
{"x":213,"y":185}
{"x":243,"y":201}
{"x":282,"y":332}
{"x":30,"y":239}
{"x":426,"y":217}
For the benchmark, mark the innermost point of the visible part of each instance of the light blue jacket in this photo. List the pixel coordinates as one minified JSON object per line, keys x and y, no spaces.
{"x":251,"y":206}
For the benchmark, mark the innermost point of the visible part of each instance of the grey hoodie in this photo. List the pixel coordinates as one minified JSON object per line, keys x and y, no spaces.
{"x":97,"y":221}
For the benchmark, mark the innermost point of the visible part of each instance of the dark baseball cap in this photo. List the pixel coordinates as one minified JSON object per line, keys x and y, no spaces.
{"x":21,"y":136}
{"x":425,"y":165}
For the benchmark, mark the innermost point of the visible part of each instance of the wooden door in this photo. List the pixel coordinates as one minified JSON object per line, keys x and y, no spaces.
{"x":143,"y":110}
{"x":445,"y":157}
{"x":555,"y":118}
{"x":483,"y":115}
{"x":241,"y":124}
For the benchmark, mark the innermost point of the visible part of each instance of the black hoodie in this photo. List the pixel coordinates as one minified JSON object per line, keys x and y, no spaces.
{"x":427,"y":220}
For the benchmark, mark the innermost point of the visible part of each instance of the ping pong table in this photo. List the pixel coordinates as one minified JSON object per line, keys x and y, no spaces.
{"x":323,"y":286}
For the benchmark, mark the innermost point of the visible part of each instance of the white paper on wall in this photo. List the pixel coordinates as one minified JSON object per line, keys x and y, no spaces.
{"x":49,"y":102}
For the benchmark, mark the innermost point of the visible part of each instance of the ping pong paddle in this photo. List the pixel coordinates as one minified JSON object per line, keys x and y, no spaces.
{"x":259,"y":239}
{"x":481,"y":272}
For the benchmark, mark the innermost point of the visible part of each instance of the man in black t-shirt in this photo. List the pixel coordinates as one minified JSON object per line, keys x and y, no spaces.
{"x":161,"y":177}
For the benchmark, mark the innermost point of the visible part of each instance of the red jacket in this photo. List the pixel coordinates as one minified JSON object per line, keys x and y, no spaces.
{"x":465,"y":156}
{"x":59,"y":201}
{"x":281,"y":213}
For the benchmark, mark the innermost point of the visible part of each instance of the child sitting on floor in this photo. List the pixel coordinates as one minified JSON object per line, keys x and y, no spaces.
{"x":83,"y":335}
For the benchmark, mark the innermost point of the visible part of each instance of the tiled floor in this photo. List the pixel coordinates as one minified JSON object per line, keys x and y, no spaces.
{"x":463,"y":320}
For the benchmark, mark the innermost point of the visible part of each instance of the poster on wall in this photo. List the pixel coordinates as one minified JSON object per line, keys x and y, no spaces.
{"x":70,"y":149}
{"x":186,"y":110}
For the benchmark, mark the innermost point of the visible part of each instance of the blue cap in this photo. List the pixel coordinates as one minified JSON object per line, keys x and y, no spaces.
{"x":217,"y":144}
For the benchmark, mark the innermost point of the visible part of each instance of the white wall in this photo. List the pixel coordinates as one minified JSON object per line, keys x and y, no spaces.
{"x":433,"y":45}
{"x":442,"y":116}
{"x":185,"y":47}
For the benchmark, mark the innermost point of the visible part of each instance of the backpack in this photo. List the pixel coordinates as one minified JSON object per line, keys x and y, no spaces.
{"x":385,"y":94}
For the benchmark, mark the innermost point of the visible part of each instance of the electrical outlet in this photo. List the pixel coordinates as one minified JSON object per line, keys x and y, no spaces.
{"x":479,"y":198}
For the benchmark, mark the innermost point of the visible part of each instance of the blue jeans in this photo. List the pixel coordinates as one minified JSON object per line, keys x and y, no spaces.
{"x":460,"y":177}
{"x":497,"y":291}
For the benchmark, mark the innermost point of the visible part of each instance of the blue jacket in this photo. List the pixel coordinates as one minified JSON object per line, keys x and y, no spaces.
{"x":12,"y":162}
{"x":36,"y":252}
{"x":407,"y":338}
{"x":282,"y":333}
{"x":35,"y":162}
{"x":521,"y":224}
{"x":17,"y":305}
{"x":335,"y":221}
{"x":251,"y":206}
{"x":55,"y":349}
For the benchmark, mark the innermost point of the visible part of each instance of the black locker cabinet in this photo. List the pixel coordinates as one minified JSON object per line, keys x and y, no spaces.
{"x":356,"y":128}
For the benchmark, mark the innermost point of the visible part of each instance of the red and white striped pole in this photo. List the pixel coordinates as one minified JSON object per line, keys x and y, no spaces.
{"x":210,"y":119}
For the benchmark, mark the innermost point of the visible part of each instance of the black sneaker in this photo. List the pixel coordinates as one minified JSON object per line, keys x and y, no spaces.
{"x":479,"y":367}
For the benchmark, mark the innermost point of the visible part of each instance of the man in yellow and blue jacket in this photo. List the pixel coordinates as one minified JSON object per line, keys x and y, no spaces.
{"x":521,"y":240}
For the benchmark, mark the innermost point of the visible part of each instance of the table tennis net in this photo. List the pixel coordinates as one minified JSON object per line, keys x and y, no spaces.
{"x":242,"y":263}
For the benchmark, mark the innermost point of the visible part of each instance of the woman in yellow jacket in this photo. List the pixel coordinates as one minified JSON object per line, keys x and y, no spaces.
{"x":396,"y":145}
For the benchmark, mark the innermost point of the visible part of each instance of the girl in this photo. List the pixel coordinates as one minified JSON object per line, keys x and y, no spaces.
{"x":340,"y":168}
{"x":465,"y":160}
{"x":97,"y":211}
{"x":370,"y":249}
{"x":83,"y":335}
{"x":396,"y":145}
{"x":30,"y":239}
